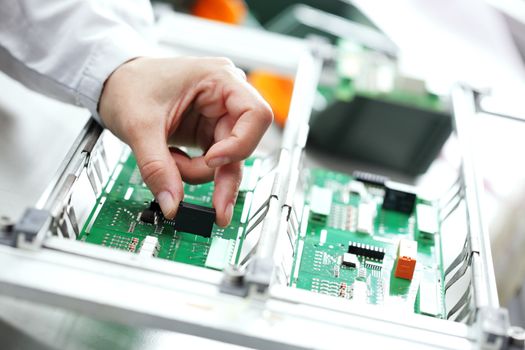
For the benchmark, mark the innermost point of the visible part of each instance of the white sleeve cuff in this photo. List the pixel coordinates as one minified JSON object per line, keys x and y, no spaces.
{"x":119,"y":46}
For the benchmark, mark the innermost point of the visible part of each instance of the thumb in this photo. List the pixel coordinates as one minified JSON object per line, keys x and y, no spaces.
{"x":160,"y":173}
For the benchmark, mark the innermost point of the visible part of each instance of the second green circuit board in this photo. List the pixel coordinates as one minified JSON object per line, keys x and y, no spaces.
{"x":350,"y":246}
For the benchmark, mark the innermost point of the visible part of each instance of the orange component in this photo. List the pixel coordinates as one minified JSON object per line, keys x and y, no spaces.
{"x":276,"y":90}
{"x":228,"y":11}
{"x":405,"y":267}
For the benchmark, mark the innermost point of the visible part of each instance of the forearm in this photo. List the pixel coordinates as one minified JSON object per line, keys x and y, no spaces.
{"x":66,"y":49}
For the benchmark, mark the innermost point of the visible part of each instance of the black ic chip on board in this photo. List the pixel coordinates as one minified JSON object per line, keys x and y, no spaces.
{"x":194,"y":218}
{"x":148,"y":216}
{"x":366,"y":250}
{"x":400,"y":201}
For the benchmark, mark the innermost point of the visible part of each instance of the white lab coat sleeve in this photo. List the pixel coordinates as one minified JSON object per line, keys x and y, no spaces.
{"x":66,"y":49}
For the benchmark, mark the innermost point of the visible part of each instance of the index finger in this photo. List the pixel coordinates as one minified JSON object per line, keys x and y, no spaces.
{"x":252,"y":117}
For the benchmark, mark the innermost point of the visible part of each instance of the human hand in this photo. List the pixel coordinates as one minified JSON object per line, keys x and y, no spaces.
{"x":152,"y":104}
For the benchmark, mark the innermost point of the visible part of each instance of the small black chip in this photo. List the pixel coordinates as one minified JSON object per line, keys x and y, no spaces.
{"x":154,"y":205}
{"x":399,"y":201}
{"x":148,"y":216}
{"x":370,"y":179}
{"x":366,"y":250}
{"x":196,"y":219}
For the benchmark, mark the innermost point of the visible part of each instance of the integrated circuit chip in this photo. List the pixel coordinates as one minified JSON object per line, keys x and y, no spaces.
{"x":194,"y":218}
{"x":148,"y":216}
{"x":369,"y":178}
{"x":366,"y":250}
{"x":399,"y":200}
{"x":155,"y":206}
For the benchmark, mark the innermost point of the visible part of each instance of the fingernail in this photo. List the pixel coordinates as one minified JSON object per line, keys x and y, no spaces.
{"x":219,"y":161}
{"x":167,"y":204}
{"x":229,"y":212}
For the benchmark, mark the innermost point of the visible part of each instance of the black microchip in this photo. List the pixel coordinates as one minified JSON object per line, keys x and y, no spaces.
{"x":154,"y":205}
{"x":196,"y":219}
{"x":148,"y":216}
{"x":399,"y":201}
{"x":366,"y":250}
{"x":370,"y":179}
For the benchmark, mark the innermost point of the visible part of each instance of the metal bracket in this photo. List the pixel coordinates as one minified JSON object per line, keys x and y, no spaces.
{"x":27,"y":232}
{"x":233,"y":282}
{"x":516,"y":337}
{"x":495,"y":331}
{"x":7,"y":236}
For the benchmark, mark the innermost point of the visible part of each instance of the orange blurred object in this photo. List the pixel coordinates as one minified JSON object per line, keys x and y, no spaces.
{"x":405,"y":268}
{"x":276,"y":90}
{"x":227,"y":11}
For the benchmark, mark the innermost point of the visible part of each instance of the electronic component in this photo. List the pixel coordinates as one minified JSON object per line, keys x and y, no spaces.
{"x":406,"y":259}
{"x":322,"y":237}
{"x":194,"y":218}
{"x":366,"y":250}
{"x":360,"y":291}
{"x":350,"y":260}
{"x":321,"y":200}
{"x":220,"y":253}
{"x":133,"y":245}
{"x":428,"y":298}
{"x":337,"y":270}
{"x":370,"y":179}
{"x":148,"y":216}
{"x":150,"y":247}
{"x":342,"y":290}
{"x":154,"y":206}
{"x":358,"y":188}
{"x":399,"y":200}
{"x":427,"y":222}
{"x":343,"y":217}
{"x":366,"y":213}
{"x":361,"y":274}
{"x":372,"y":265}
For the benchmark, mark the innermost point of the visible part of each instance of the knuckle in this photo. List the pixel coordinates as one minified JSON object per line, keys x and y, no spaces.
{"x":224,"y":61}
{"x":266,"y":114}
{"x":243,"y":149}
{"x":241,"y":73}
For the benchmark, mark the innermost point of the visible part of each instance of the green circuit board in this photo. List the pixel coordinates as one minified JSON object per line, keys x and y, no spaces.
{"x":320,"y":248}
{"x":115,"y":222}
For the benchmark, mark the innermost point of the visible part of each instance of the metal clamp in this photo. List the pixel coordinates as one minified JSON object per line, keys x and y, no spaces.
{"x":28,"y":232}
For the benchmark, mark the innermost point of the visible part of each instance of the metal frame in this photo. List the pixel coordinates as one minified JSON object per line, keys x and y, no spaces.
{"x":252,"y":306}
